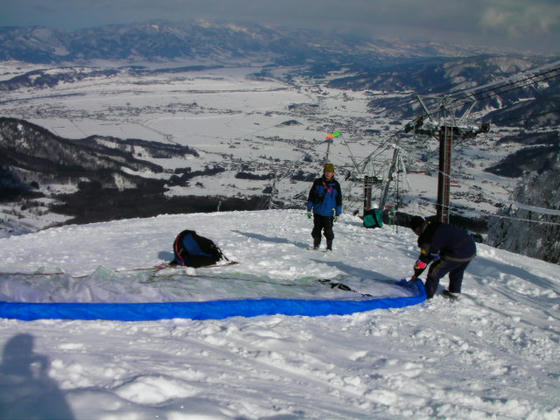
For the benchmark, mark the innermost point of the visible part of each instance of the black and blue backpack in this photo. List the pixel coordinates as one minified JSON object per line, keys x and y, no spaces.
{"x":193,"y":250}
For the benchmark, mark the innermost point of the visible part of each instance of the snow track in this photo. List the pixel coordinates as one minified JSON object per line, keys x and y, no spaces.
{"x":492,"y":354}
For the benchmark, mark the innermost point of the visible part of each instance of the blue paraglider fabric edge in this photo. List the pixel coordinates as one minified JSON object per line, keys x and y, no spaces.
{"x":216,"y":309}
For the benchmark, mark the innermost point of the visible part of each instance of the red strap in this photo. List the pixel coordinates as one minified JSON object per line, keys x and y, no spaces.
{"x":176,"y":249}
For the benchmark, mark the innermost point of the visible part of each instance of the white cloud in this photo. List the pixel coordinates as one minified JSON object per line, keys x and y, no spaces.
{"x":521,"y":19}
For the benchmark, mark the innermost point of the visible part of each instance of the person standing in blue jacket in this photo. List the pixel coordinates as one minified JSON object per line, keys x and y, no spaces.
{"x":324,"y":204}
{"x":449,"y":249}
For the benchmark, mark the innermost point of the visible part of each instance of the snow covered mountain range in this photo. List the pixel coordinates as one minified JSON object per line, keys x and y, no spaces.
{"x":205,"y":40}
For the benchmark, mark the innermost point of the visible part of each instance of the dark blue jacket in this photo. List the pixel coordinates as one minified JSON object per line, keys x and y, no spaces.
{"x":325,"y":197}
{"x":441,"y":240}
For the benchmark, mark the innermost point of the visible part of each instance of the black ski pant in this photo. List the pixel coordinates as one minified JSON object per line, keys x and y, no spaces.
{"x":440,"y":268}
{"x":325,"y":224}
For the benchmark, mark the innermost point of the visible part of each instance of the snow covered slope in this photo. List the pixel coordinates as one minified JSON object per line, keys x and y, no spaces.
{"x":493,"y":353}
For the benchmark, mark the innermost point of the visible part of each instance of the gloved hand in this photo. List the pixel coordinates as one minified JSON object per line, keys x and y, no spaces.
{"x":309,"y":215}
{"x":335,"y":218}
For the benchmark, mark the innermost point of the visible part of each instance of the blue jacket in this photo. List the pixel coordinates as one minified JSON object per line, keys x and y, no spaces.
{"x":325,"y":197}
{"x":441,"y":240}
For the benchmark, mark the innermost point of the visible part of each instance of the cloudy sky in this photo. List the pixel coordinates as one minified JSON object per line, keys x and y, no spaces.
{"x":524,"y":25}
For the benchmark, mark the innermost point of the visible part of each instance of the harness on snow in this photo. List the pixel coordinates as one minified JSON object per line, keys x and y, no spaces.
{"x":193,"y":250}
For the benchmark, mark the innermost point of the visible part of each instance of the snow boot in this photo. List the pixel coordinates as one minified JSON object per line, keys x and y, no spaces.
{"x":450,"y":295}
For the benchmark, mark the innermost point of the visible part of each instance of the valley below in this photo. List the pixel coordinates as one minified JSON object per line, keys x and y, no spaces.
{"x":219,"y":138}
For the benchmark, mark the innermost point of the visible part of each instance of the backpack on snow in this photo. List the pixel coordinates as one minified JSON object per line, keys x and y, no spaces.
{"x":193,"y":250}
{"x":373,"y":218}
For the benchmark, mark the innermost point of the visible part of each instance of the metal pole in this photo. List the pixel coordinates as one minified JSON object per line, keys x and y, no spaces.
{"x":445,"y":140}
{"x":389,"y":179}
{"x":328,"y":149}
{"x":367,"y":192}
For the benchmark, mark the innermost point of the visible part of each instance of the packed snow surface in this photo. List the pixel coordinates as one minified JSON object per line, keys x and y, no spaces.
{"x":492,"y":354}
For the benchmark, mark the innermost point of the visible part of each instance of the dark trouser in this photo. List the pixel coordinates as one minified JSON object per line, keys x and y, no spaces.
{"x":440,"y":268}
{"x":325,"y":224}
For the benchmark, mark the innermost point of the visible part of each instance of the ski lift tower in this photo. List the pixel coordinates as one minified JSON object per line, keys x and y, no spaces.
{"x":446,"y":127}
{"x":396,"y":162}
